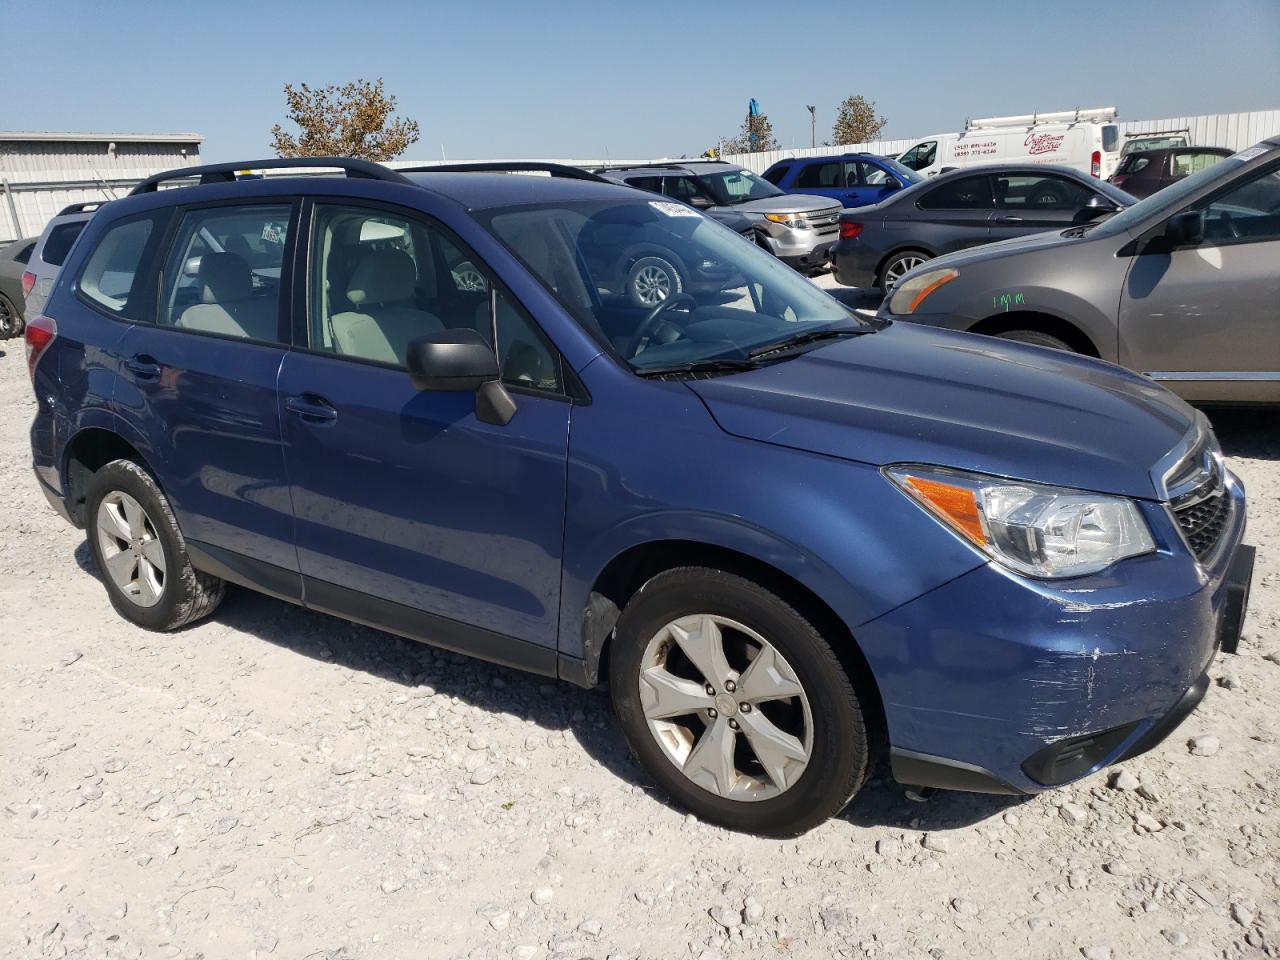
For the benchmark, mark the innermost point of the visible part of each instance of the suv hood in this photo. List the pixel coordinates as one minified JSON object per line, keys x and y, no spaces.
{"x":914,"y":394}
{"x":792,"y":201}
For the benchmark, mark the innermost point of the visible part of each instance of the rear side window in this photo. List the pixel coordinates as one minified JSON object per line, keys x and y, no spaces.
{"x":1189,"y":162}
{"x":775,"y":174}
{"x":966,"y":193}
{"x":24,"y":255}
{"x":652,"y":184}
{"x":1030,"y":192}
{"x":110,"y":276}
{"x":58,"y":244}
{"x":1133,"y":163}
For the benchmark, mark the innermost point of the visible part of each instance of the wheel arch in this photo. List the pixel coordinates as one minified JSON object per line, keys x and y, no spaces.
{"x":1049,"y":323}
{"x":87,"y":452}
{"x":913,"y":247}
{"x":630,"y":569}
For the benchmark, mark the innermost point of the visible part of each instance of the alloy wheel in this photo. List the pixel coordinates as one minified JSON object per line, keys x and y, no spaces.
{"x":652,"y":285}
{"x":900,"y":266}
{"x":131,"y":549}
{"x":726,"y":707}
{"x":8,"y":320}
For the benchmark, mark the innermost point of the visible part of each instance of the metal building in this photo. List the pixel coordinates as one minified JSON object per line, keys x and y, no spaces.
{"x":40,"y":173}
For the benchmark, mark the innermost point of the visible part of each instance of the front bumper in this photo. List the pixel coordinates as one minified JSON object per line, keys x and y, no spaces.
{"x":999,"y":684}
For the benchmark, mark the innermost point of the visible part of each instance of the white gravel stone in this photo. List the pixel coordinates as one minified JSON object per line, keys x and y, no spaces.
{"x":542,"y":895}
{"x":1096,"y":953}
{"x":936,"y":843}
{"x":1204,"y":746}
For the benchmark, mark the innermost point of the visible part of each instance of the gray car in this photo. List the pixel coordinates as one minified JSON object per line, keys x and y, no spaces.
{"x":13,"y":264}
{"x":961,"y":209}
{"x":55,"y":243}
{"x":1184,"y":286}
{"x":798,"y":229}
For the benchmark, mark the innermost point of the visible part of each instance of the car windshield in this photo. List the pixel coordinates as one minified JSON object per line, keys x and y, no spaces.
{"x":665,"y":288}
{"x":904,"y":174}
{"x":1166,"y":200}
{"x":737,"y":186}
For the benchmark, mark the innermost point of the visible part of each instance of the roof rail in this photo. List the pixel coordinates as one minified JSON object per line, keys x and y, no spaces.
{"x":665,"y":165}
{"x":514,"y":166}
{"x":1094,"y":115}
{"x":80,"y":207}
{"x":226,"y":172}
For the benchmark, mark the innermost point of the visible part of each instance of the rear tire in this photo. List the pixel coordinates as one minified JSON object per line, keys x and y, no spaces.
{"x":798,"y":751}
{"x":651,"y":280}
{"x":1036,"y":338}
{"x":10,"y":319}
{"x":140,"y":552}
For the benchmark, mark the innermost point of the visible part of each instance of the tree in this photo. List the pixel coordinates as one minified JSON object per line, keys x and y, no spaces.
{"x":350,"y":120}
{"x":856,"y":121}
{"x":763,"y":130}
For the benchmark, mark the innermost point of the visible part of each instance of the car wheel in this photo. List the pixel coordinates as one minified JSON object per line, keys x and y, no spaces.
{"x":1037,"y":338}
{"x":652,"y":280}
{"x":735,"y":704}
{"x":899,"y":264}
{"x":140,"y":552}
{"x":10,"y":320}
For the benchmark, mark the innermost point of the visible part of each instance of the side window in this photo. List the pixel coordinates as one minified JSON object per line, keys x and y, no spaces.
{"x":223,"y":272}
{"x":865,"y":174}
{"x":821,"y":175}
{"x":963,"y":193}
{"x":1031,"y":192}
{"x":1246,"y":213}
{"x":683,"y":188}
{"x":652,"y":184}
{"x":110,"y":275}
{"x":380,"y":280}
{"x":1186,"y":163}
{"x":24,"y":255}
{"x":775,"y":174}
{"x":58,"y":244}
{"x":920,"y":156}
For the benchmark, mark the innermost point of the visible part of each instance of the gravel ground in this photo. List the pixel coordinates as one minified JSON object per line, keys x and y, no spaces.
{"x":277,"y":783}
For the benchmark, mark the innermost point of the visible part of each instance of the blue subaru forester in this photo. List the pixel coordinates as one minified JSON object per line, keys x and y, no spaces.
{"x":784,"y":534}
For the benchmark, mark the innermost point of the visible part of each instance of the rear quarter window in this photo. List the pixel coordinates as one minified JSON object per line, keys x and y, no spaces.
{"x":775,"y":174}
{"x":112,"y":278}
{"x":59,"y":242}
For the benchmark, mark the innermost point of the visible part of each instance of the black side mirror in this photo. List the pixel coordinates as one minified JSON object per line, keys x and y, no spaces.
{"x":1096,"y":206}
{"x":460,"y":360}
{"x":1185,"y":229}
{"x":890,"y":185}
{"x":702,"y":203}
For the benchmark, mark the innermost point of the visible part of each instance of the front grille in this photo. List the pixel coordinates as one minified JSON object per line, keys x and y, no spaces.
{"x":1203,"y":515}
{"x":824,"y":221}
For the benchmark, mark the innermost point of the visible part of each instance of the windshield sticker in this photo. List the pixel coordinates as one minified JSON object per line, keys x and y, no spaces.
{"x":1007,"y":301}
{"x":666,"y":208}
{"x":1249,"y":154}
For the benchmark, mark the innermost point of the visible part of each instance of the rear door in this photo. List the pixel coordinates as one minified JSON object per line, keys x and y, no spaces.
{"x":412,"y":513}
{"x":825,"y":178}
{"x":1204,"y":319}
{"x":198,"y":384}
{"x":951,"y":215}
{"x":1029,"y":203}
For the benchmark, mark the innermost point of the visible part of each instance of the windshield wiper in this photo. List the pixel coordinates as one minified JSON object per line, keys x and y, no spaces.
{"x":722,"y":365}
{"x":800,"y":339}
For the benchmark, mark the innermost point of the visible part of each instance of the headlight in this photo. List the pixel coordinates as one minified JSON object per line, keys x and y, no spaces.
{"x":1036,"y":530}
{"x":793,"y":220}
{"x":907,"y":298}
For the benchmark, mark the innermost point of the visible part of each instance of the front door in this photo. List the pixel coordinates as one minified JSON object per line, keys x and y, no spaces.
{"x":1204,"y":319}
{"x":1035,"y":203}
{"x":411,"y":513}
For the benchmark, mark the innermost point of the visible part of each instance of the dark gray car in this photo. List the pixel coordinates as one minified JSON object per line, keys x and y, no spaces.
{"x":961,"y":209}
{"x":1184,"y":286}
{"x":13,"y":261}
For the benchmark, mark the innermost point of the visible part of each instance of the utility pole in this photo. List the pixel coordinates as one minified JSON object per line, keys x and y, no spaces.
{"x":813,"y":125}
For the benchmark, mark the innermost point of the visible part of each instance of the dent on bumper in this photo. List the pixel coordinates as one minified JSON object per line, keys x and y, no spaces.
{"x":987,"y":671}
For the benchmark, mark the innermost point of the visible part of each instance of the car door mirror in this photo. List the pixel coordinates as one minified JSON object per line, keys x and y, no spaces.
{"x":460,"y":360}
{"x":702,"y":203}
{"x":890,"y":185}
{"x":1096,"y":206}
{"x":1185,"y":229}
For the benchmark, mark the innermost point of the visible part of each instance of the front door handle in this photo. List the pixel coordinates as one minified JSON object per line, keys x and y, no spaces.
{"x":312,"y":407}
{"x":143,"y":366}
{"x":1008,"y":219}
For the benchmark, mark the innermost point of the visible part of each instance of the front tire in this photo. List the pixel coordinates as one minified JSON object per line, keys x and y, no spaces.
{"x":735,"y":703}
{"x":139,"y":550}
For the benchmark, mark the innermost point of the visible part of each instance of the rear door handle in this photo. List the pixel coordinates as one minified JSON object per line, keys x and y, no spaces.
{"x":311,"y":407}
{"x":143,"y":366}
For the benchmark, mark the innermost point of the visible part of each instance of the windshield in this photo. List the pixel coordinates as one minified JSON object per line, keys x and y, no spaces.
{"x":737,"y":186}
{"x":1166,"y":200}
{"x":662,"y":286}
{"x":904,"y":174}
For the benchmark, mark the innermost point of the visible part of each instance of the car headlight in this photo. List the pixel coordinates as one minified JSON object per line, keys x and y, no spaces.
{"x":793,"y":220}
{"x":1037,"y":530}
{"x":907,"y":298}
